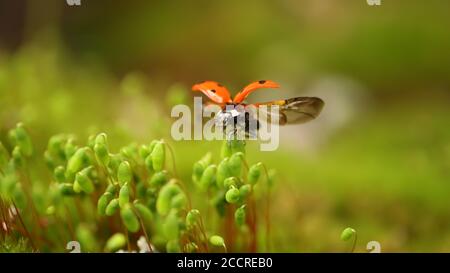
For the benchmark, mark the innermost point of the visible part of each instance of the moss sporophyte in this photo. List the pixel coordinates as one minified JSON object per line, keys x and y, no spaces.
{"x":131,"y":200}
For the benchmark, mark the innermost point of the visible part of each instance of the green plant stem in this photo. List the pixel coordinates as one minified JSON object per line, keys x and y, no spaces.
{"x":354,"y":243}
{"x":69,"y":223}
{"x":144,"y":231}
{"x":172,"y":154}
{"x":252,"y":225}
{"x":26,"y":185}
{"x":60,"y":228}
{"x":229,"y":226}
{"x":202,"y":230}
{"x":128,"y":239}
{"x":267,"y":214}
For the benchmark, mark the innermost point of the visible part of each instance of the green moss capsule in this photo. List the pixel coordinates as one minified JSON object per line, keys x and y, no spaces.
{"x":59,"y":174}
{"x":159,"y":156}
{"x":347,"y":234}
{"x":225,"y":150}
{"x":200,"y":166}
{"x":103,"y":202}
{"x":144,"y":151}
{"x":206,"y":159}
{"x":159,"y":179}
{"x":192,"y":218}
{"x":70,"y":148}
{"x":216,"y":240}
{"x":124,"y":195}
{"x":149,"y":163}
{"x":76,"y":187}
{"x":91,"y":141}
{"x":66,"y":189}
{"x":83,"y":181}
{"x":114,"y":162}
{"x":230,"y":181}
{"x":254,"y":173}
{"x":77,"y":161}
{"x":208,"y":177}
{"x":12,"y":136}
{"x":111,"y":189}
{"x":151,"y":198}
{"x":17,"y":157}
{"x":131,"y":151}
{"x":50,"y":210}
{"x":232,"y":195}
{"x":173,"y":246}
{"x":144,"y":213}
{"x":102,"y":154}
{"x":49,"y":161}
{"x":101,"y":138}
{"x":124,"y":173}
{"x":239,"y":216}
{"x":55,"y":146}
{"x":235,"y":164}
{"x":167,"y":192}
{"x":129,"y":218}
{"x":152,"y":145}
{"x":115,"y":242}
{"x":223,"y":172}
{"x":179,"y":201}
{"x":112,"y":207}
{"x":140,"y":191}
{"x":23,"y":140}
{"x":245,"y":191}
{"x":171,"y":226}
{"x":197,"y":171}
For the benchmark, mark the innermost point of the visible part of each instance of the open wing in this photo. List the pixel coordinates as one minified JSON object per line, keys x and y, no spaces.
{"x":240,"y":97}
{"x":214,"y":91}
{"x":293,"y":111}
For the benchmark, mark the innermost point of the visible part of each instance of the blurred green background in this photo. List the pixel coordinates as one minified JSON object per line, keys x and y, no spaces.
{"x":378,"y":157}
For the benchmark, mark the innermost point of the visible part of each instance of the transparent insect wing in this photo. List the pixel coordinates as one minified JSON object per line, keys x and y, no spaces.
{"x":293,"y":111}
{"x":214,"y":91}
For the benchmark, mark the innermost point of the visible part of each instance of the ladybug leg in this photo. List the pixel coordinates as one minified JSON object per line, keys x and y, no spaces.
{"x":231,"y":135}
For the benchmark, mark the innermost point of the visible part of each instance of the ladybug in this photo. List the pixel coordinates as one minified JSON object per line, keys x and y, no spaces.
{"x":290,"y":111}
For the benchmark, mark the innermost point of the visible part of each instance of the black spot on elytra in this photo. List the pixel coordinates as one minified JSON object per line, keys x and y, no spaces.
{"x":212,"y":90}
{"x":262,"y":82}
